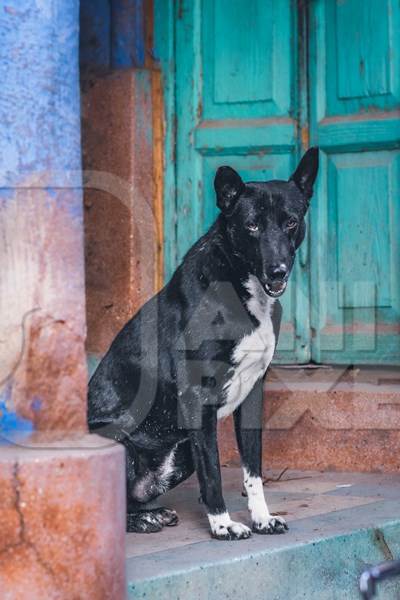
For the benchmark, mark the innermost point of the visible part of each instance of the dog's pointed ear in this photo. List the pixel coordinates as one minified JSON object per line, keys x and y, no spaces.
{"x":306,"y":172}
{"x":228,"y":187}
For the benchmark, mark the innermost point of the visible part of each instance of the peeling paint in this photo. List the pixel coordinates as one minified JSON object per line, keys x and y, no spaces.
{"x":380,"y":541}
{"x":45,"y":329}
{"x":56,"y":532}
{"x":11,"y":423}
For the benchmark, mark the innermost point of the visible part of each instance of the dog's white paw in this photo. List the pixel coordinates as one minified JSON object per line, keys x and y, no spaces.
{"x":223,"y":528}
{"x":270,"y":525}
{"x":233,"y":531}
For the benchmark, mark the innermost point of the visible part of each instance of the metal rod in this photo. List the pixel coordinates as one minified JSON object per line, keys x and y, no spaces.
{"x":371,"y":576}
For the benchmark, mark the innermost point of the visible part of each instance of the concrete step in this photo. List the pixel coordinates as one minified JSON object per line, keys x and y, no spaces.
{"x":340,"y":523}
{"x":327,"y":418}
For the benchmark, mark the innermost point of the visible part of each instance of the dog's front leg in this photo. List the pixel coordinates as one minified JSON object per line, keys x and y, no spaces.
{"x":206,"y":459}
{"x":248,"y":426}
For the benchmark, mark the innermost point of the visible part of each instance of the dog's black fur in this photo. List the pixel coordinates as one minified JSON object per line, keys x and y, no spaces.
{"x":166,"y":376}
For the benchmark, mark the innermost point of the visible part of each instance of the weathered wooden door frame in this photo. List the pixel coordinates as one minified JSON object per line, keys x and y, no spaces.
{"x":164,"y":53}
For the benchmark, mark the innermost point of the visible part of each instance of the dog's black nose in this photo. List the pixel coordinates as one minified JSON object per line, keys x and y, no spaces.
{"x":278,"y":271}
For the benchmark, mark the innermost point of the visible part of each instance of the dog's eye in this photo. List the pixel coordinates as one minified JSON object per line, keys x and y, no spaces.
{"x":252,"y":227}
{"x":291,"y":224}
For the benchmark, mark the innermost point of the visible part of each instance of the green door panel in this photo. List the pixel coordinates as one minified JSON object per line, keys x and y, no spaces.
{"x":354,"y":260}
{"x":235,"y":101}
{"x":246,"y":62}
{"x":361,"y":55}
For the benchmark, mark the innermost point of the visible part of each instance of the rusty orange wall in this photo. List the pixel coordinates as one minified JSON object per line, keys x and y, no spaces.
{"x":122,"y":131}
{"x":122,"y":217}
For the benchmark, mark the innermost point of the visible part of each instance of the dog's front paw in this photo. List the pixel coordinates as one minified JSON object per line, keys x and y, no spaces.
{"x":151,"y":520}
{"x":271,"y":525}
{"x":233,"y":531}
{"x":223,"y":528}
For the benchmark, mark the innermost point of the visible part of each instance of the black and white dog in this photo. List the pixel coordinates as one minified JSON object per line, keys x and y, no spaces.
{"x":199,"y":350}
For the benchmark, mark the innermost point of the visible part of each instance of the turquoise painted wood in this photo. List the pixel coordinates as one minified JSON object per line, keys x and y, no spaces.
{"x":355,"y":234}
{"x":246,"y":88}
{"x":236,"y":102}
{"x":164,"y":52}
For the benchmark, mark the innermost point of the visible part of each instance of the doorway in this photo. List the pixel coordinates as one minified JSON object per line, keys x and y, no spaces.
{"x":253,"y":87}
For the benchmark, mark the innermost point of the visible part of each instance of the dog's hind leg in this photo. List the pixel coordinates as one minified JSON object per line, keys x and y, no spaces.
{"x":175,"y":467}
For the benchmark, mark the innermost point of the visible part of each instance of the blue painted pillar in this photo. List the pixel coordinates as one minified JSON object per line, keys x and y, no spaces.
{"x":42,"y":307}
{"x":128,"y":34}
{"x":113,"y":35}
{"x":63,"y":503}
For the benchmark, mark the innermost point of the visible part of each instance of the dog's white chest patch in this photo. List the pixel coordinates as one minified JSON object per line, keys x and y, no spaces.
{"x":253,"y":353}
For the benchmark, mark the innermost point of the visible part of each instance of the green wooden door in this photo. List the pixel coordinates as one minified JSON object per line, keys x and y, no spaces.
{"x":354,"y":80}
{"x":235,"y":102}
{"x":246,"y":83}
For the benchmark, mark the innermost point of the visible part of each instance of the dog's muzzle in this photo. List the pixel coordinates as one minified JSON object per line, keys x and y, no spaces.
{"x":275,"y":288}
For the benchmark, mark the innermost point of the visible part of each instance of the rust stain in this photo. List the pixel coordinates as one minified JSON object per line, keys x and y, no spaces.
{"x":263,"y":152}
{"x":49,"y":362}
{"x":149,"y":33}
{"x":64,"y":549}
{"x":158,"y":166}
{"x":199,"y":111}
{"x":369,"y":115}
{"x":361,"y":328}
{"x":50,"y":382}
{"x":305,"y":137}
{"x":238,"y":123}
{"x":287,"y":328}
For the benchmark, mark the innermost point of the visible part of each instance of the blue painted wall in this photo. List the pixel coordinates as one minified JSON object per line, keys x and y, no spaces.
{"x":39,"y":100}
{"x":39,"y":125}
{"x":112,"y":34}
